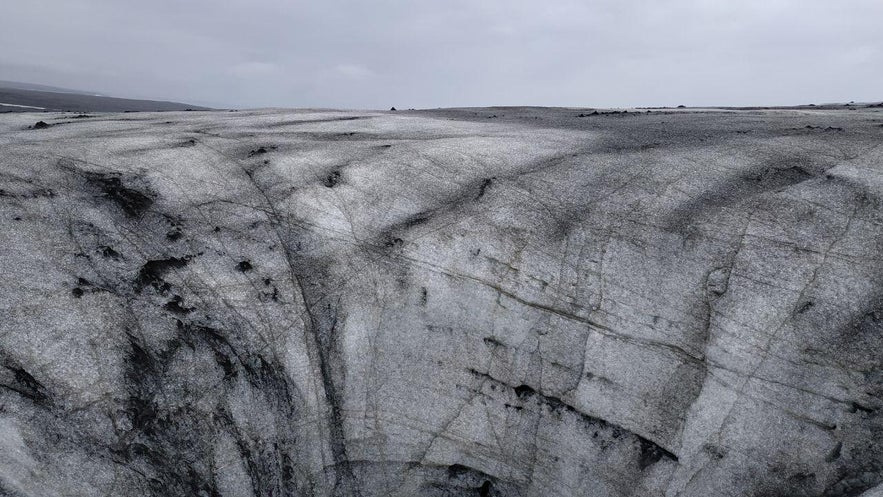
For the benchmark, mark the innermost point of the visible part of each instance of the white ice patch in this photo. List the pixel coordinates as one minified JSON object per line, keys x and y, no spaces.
{"x":22,"y":106}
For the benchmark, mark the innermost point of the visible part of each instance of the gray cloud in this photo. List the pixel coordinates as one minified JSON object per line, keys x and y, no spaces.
{"x":357,"y":54}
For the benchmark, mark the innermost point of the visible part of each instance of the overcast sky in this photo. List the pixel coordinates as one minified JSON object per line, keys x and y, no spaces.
{"x":442,"y":53}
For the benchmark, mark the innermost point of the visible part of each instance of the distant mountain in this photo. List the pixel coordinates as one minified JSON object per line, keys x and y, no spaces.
{"x":18,"y":85}
{"x":28,"y":97}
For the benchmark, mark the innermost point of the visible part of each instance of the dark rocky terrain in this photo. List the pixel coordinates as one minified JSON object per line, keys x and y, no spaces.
{"x":463,"y":302}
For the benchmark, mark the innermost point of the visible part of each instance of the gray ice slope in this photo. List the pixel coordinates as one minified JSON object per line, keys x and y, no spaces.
{"x":487,"y":302}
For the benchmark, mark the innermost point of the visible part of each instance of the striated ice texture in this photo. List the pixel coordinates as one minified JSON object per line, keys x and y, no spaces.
{"x":477,"y":302}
